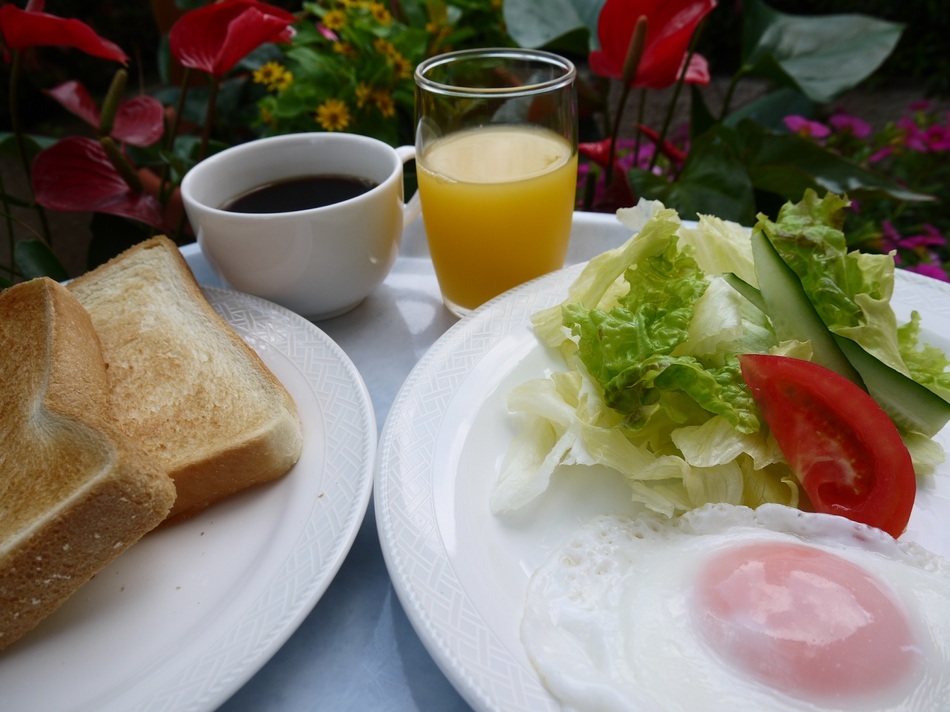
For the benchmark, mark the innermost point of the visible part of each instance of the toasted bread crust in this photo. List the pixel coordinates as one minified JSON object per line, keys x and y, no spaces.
{"x":185,"y":385}
{"x":74,"y":493}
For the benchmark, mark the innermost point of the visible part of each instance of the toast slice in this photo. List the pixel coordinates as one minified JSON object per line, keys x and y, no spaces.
{"x":74,"y":492}
{"x":185,"y":386}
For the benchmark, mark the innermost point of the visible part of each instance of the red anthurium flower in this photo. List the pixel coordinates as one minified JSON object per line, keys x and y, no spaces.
{"x":670,"y":27}
{"x":75,"y":175}
{"x":597,"y":151}
{"x":33,"y":28}
{"x":215,"y":37}
{"x":139,"y":121}
{"x":666,"y":148}
{"x":618,"y":193}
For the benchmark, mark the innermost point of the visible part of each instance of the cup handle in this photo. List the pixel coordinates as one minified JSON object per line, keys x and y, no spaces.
{"x":413,"y":206}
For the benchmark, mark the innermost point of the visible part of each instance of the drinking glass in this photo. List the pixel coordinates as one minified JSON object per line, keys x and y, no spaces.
{"x":496,"y":159}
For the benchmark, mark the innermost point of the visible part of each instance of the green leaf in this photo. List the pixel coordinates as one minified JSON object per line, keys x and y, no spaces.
{"x":822,"y":56}
{"x":570,"y":25}
{"x":34,"y":259}
{"x":788,"y":165}
{"x":34,"y":144}
{"x":771,"y":109}
{"x":701,"y":118}
{"x":713,"y":182}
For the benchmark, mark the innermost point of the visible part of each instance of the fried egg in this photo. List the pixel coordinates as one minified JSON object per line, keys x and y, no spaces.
{"x":729,"y":608}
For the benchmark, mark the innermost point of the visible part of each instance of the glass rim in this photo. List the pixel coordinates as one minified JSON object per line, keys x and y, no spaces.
{"x":539,"y":56}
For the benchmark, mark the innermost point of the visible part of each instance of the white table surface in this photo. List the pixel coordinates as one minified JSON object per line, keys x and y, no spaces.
{"x":357,"y":650}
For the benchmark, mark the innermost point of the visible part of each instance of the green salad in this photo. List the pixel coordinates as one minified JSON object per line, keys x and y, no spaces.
{"x":650,"y":334}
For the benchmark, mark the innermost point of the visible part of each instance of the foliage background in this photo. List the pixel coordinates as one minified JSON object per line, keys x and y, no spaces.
{"x":919,"y":63}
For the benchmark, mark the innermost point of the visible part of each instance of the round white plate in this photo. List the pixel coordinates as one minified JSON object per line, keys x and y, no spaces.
{"x":188,"y":614}
{"x":460,"y":572}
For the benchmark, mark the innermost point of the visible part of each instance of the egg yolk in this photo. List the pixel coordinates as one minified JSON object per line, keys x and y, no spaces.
{"x":804,"y":621}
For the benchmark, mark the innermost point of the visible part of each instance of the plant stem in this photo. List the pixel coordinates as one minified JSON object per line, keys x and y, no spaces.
{"x":164,"y":181}
{"x":730,"y":90}
{"x":209,"y":118}
{"x":638,"y":134}
{"x":609,"y":169}
{"x":8,"y":216}
{"x":678,"y":87}
{"x":17,"y":128}
{"x":628,"y":75}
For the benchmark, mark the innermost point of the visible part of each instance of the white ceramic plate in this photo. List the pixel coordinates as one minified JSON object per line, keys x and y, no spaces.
{"x":188,"y":614}
{"x":461,"y":573}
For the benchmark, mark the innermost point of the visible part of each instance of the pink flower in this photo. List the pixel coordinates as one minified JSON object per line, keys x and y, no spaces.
{"x":931,"y":237}
{"x":327,"y":33}
{"x":938,"y":137}
{"x":930,"y":270}
{"x":846,"y":123}
{"x":890,"y":237}
{"x":913,"y":137}
{"x":877,"y":156}
{"x":806,"y":127}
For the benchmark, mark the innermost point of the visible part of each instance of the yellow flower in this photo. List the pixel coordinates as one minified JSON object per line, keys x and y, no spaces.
{"x":334,"y":20}
{"x":401,"y":66}
{"x":333,"y":115}
{"x":380,"y":13}
{"x":385,"y":104}
{"x":344,"y":49}
{"x":363,"y":94}
{"x":267,"y":117}
{"x":273,"y":76}
{"x":384,"y":46}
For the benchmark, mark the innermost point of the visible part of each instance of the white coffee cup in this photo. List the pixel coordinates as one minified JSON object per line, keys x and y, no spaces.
{"x":319,"y":262}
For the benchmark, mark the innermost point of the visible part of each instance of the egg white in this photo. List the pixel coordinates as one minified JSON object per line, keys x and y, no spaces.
{"x":607,"y":622}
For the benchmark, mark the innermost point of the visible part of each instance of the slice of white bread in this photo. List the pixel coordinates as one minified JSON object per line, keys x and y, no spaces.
{"x":185,"y":385}
{"x":74,"y":492}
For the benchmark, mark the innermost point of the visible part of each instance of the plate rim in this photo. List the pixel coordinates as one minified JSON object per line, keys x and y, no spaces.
{"x":305,"y":605}
{"x":436,"y":638}
{"x":207,"y":685}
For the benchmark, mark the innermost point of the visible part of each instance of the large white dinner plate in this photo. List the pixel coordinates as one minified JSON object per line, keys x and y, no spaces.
{"x":460,"y":572}
{"x":188,"y":614}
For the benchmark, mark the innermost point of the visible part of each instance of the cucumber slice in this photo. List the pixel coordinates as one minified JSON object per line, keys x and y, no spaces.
{"x":911,"y":405}
{"x":746,"y":290}
{"x":792,"y":314}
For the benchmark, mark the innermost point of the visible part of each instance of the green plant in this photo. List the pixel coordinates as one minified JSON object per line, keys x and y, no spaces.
{"x":735,"y":161}
{"x":913,"y":150}
{"x":125,"y":165}
{"x":349,"y":66}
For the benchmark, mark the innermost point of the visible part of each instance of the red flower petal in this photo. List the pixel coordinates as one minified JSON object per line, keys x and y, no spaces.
{"x":215,"y":37}
{"x":668,"y":149}
{"x":139,"y":121}
{"x":670,"y":26}
{"x":75,"y":175}
{"x":74,"y":98}
{"x":21,"y":29}
{"x":598,"y":152}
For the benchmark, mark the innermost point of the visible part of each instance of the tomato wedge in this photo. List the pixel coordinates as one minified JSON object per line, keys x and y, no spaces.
{"x":845,"y":451}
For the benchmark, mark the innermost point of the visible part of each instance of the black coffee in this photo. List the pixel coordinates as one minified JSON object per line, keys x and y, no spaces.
{"x":299,"y":194}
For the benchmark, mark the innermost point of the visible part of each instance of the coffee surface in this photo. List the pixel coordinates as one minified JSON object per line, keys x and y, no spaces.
{"x":301,"y":193}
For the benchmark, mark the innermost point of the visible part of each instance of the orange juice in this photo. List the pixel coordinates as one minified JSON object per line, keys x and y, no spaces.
{"x":497,"y":204}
